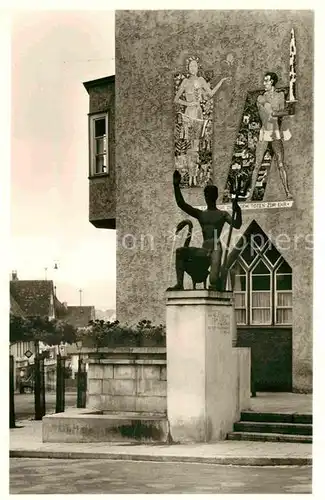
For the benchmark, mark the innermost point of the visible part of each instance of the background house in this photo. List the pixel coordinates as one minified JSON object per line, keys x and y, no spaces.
{"x":34,"y":297}
{"x":30,"y":298}
{"x":79,"y":316}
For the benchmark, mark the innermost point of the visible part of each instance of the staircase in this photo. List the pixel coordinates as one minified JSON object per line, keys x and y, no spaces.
{"x":276,"y":427}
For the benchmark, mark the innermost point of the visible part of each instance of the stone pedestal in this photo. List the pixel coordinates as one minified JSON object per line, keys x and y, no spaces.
{"x":202,"y":367}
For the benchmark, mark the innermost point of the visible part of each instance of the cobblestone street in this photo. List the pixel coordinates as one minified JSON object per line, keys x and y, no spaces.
{"x":46,"y":476}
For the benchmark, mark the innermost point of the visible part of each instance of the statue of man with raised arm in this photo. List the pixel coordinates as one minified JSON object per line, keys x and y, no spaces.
{"x":211,"y":221}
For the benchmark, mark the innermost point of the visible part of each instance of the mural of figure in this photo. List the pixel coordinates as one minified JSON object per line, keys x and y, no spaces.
{"x":192,"y":163}
{"x":271,"y":108}
{"x":195,"y":89}
{"x":181,"y":162}
{"x":193,"y":123}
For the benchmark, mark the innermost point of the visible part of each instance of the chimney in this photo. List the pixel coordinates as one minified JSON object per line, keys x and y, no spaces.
{"x":14,"y":276}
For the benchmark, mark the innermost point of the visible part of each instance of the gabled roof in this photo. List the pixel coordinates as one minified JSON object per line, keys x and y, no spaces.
{"x":15,"y":309}
{"x":60,"y":308}
{"x":79,"y":316}
{"x":32,"y":296}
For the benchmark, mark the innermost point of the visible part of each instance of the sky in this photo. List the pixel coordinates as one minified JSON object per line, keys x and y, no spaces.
{"x":52,"y":54}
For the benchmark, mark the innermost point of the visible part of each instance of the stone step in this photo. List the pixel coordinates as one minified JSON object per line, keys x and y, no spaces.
{"x":84,"y":427}
{"x":268,"y":437}
{"x":295,"y":418}
{"x":274,"y":427}
{"x":128,"y":414}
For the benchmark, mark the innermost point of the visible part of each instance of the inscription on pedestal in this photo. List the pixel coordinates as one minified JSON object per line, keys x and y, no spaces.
{"x":218,"y":321}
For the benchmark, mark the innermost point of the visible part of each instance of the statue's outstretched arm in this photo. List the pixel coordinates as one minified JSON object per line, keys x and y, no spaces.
{"x":193,"y":212}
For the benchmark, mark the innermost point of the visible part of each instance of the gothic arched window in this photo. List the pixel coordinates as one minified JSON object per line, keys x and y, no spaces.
{"x":262,"y":283}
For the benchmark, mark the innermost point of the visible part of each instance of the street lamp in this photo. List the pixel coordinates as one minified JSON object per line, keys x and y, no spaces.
{"x":55,"y":267}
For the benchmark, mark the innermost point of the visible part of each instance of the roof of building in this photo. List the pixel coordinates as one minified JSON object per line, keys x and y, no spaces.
{"x":60,"y":308}
{"x":15,"y":308}
{"x":32,"y":296}
{"x":99,"y":82}
{"x":79,"y":316}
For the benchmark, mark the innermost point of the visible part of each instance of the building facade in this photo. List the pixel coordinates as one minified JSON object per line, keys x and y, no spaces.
{"x":224,"y":97}
{"x":30,"y":298}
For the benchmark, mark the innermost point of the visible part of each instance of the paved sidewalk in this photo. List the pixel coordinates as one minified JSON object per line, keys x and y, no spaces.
{"x":27,"y":442}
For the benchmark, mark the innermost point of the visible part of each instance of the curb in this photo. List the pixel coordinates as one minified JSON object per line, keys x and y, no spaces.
{"x":248,"y":461}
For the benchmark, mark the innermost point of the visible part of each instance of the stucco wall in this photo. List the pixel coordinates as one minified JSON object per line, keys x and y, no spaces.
{"x":102,"y":189}
{"x":151,"y":46}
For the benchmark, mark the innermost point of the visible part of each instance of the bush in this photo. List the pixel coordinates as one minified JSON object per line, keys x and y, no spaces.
{"x":151,"y":335}
{"x":102,"y":333}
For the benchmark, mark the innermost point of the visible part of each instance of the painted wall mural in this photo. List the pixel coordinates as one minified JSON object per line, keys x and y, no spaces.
{"x":193,"y":124}
{"x":254,"y":148}
{"x":261,"y":136}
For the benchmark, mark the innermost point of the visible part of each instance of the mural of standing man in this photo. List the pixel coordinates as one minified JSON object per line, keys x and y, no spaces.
{"x":271,"y":108}
{"x":262,"y":134}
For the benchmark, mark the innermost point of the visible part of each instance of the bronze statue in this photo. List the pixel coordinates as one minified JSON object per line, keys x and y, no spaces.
{"x":196,"y":261}
{"x":197,"y":267}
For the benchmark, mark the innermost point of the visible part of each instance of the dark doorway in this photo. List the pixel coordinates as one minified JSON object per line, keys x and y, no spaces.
{"x":271,"y":356}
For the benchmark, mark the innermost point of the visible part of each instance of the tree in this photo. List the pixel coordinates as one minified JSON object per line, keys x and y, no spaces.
{"x":37,"y":328}
{"x":18,"y":331}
